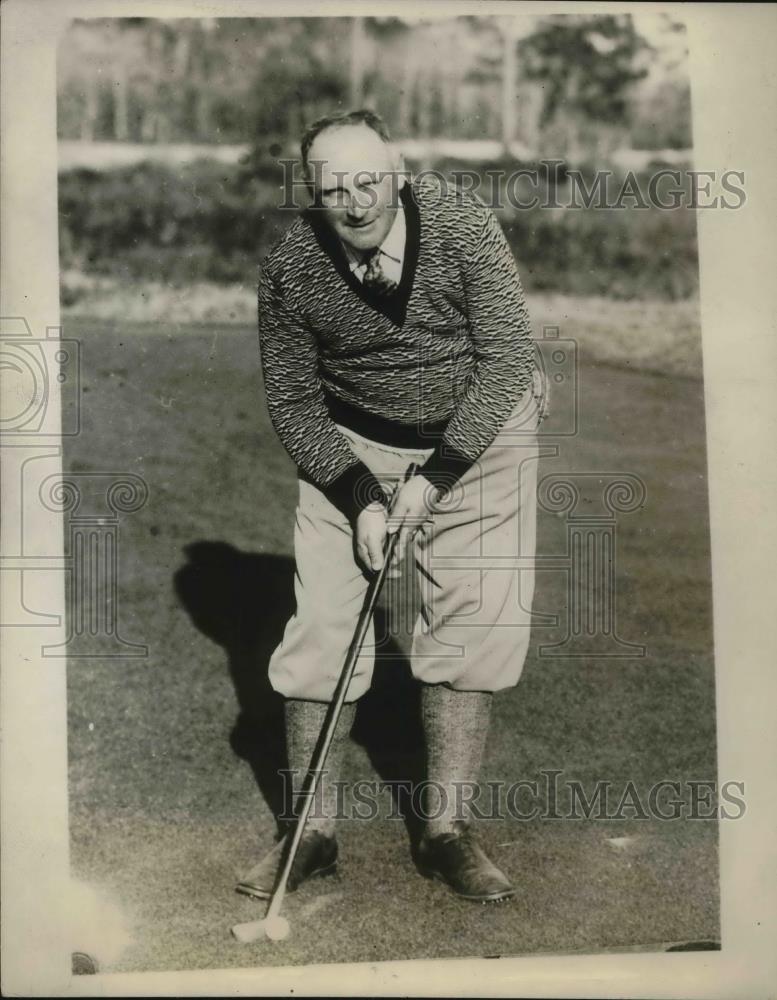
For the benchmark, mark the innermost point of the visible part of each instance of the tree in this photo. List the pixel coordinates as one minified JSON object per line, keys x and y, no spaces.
{"x":587,"y":66}
{"x":586,"y":63}
{"x":512,"y":30}
{"x":358,"y":45}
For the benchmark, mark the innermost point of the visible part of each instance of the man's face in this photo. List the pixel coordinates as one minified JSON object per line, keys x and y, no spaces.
{"x":355,"y":182}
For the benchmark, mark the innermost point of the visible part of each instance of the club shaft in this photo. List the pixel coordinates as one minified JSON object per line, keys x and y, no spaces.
{"x":310,"y":785}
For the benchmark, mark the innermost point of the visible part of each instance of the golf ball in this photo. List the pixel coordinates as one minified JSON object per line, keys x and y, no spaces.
{"x":276,"y":928}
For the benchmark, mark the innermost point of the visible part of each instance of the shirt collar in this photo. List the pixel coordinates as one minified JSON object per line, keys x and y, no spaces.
{"x":392,"y":246}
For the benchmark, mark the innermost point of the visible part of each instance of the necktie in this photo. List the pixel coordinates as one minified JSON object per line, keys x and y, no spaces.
{"x":374,"y":278}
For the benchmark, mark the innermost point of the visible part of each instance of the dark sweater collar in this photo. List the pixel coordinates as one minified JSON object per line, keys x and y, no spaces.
{"x":393,"y":306}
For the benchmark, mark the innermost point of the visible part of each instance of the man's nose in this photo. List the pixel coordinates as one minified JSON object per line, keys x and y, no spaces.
{"x":357,"y":207}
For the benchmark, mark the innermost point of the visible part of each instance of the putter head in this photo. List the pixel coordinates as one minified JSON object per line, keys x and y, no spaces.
{"x":272,"y":928}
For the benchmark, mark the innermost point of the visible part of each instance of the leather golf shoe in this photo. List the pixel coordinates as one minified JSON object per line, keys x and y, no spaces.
{"x":317,"y":855}
{"x":458,"y":860}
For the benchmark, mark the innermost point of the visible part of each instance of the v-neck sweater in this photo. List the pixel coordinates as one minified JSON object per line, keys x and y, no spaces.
{"x":439,"y":363}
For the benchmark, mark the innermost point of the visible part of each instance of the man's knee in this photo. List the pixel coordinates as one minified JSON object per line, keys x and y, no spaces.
{"x":311,"y":685}
{"x":472,"y":659}
{"x":308,"y":665}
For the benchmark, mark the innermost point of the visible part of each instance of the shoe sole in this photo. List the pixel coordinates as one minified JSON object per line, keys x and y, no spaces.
{"x":246,"y":889}
{"x":494,"y":897}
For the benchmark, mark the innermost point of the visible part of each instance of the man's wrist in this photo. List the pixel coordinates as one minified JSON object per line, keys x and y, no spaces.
{"x":355,"y":490}
{"x":376,"y":507}
{"x":432,"y":491}
{"x":444,"y":467}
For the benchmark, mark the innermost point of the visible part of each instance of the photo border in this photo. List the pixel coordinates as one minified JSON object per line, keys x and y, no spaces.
{"x":734,"y":98}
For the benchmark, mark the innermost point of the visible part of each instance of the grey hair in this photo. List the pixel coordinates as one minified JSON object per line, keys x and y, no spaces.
{"x":340,"y":119}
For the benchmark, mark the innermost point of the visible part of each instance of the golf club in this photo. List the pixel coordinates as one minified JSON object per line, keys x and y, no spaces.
{"x":274,"y":926}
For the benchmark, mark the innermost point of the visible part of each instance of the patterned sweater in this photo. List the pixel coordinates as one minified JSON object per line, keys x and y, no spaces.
{"x":439,"y":363}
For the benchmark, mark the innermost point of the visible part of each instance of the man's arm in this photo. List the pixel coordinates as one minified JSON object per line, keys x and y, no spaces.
{"x":298,"y":412}
{"x":501,"y":334}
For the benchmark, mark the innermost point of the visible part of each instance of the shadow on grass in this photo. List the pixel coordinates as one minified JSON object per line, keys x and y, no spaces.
{"x":242,"y":601}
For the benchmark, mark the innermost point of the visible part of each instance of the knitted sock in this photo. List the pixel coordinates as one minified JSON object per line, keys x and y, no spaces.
{"x":455,"y":727}
{"x":304,"y":721}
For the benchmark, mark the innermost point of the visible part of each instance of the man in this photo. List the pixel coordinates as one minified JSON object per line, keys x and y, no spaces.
{"x":393,"y":330}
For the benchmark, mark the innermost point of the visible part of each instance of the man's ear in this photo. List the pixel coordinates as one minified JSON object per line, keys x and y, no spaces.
{"x":310,"y":190}
{"x":400,"y":173}
{"x":401,"y":169}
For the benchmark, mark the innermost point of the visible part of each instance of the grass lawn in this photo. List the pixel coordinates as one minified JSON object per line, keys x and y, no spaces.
{"x":168,"y":753}
{"x":642,"y":335}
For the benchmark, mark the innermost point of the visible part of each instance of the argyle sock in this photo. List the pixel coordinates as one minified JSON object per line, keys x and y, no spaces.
{"x":304,"y":721}
{"x":455,"y":726}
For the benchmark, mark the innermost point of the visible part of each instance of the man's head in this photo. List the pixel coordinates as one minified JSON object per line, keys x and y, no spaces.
{"x":354,"y":174}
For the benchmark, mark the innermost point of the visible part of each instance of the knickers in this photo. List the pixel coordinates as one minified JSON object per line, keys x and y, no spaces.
{"x":475,"y":567}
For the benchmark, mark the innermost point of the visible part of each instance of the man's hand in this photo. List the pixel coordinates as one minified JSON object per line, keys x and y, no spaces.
{"x":412,"y":510}
{"x":371,"y":531}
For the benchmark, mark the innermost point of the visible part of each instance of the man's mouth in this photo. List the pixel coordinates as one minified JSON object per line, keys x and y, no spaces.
{"x":360,"y":225}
